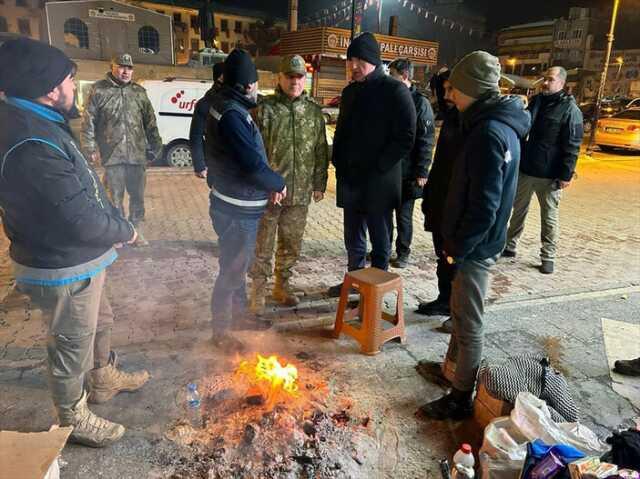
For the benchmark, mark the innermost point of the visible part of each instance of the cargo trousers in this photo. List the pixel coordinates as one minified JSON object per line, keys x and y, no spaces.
{"x":129,"y":178}
{"x":287,"y":223}
{"x":79,"y":320}
{"x":549,"y":199}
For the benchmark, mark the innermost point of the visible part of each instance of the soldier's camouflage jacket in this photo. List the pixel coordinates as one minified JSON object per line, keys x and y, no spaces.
{"x":120,"y":124}
{"x":296,"y":144}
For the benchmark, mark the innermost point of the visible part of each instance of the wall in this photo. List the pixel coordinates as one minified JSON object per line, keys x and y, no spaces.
{"x":24,"y":17}
{"x":105,"y":28}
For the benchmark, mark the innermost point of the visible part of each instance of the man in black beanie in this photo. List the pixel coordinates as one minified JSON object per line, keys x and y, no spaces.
{"x":242,"y":183}
{"x":374,"y":134}
{"x":63,"y":230}
{"x":199,"y":122}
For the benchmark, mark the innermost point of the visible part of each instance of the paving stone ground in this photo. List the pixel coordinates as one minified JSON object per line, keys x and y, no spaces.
{"x":160,"y":296}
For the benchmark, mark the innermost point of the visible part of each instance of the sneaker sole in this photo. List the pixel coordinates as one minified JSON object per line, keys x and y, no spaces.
{"x":97,"y":445}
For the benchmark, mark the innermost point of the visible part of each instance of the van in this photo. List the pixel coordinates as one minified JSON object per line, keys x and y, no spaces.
{"x":174,"y":101}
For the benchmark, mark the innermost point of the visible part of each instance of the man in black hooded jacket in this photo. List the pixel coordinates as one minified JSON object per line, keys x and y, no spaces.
{"x":479,"y":201}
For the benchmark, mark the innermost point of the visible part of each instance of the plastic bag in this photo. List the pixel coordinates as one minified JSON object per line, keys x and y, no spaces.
{"x":532,"y":418}
{"x":503,"y":450}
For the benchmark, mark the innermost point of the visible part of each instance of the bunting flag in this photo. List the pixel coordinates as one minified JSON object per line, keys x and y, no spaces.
{"x":341,"y":12}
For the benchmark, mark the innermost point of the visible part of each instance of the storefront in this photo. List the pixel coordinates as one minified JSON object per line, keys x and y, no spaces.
{"x":325,"y":49}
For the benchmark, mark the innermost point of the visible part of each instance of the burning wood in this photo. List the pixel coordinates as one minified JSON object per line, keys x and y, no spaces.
{"x":269,"y":418}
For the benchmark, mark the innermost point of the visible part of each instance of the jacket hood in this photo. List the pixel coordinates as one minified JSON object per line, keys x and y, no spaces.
{"x":507,"y":109}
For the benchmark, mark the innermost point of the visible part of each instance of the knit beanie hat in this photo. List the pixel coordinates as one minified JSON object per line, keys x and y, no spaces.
{"x":365,"y":47}
{"x":477,"y":73}
{"x":239,"y":69}
{"x":31,"y":69}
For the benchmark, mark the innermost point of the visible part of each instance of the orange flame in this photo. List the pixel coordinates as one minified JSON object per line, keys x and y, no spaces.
{"x":270,"y":371}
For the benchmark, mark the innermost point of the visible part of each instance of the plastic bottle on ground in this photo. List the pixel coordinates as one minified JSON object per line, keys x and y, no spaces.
{"x":463,"y":463}
{"x":193,"y":406}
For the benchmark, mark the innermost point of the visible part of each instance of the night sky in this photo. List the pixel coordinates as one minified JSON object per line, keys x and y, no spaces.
{"x":499,"y":13}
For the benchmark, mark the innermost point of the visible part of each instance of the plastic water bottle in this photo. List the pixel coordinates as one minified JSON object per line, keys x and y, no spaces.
{"x":193,"y":405}
{"x":463,"y":463}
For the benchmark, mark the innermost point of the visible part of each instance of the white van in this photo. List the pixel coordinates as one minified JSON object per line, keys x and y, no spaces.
{"x":174,"y":101}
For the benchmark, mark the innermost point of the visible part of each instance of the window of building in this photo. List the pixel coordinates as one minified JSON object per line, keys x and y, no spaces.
{"x":76,"y":33}
{"x":195,"y":45}
{"x":224,"y":25}
{"x":24,"y":26}
{"x":577,"y":33}
{"x":193,"y":20}
{"x":21,"y":3}
{"x":238,"y":27}
{"x":148,"y":40}
{"x":3,"y":25}
{"x":562,"y":35}
{"x":177,"y":17}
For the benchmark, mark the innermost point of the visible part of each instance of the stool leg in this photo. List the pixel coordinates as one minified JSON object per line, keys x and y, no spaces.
{"x":371,"y":324}
{"x":400,"y":315}
{"x":342,"y":304}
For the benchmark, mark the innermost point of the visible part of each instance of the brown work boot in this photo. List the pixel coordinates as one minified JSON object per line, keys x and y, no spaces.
{"x":257,"y":297}
{"x":89,"y":429}
{"x":108,"y":381}
{"x":283,"y":293}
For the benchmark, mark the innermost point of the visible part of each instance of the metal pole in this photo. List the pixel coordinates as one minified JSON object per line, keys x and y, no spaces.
{"x":353,"y":18}
{"x":603,"y":78}
{"x":380,"y":17}
{"x":293,"y":15}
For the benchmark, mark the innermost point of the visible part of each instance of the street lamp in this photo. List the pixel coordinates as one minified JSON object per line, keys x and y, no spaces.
{"x":619,"y":62}
{"x":603,"y":78}
{"x":512,"y":62}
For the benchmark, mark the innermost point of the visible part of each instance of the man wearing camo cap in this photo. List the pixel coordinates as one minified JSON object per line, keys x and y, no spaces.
{"x":293,"y":130}
{"x":119,"y":126}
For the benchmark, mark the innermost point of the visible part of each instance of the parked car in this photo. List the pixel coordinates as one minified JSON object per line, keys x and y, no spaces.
{"x":331,"y":110}
{"x":621,"y":130}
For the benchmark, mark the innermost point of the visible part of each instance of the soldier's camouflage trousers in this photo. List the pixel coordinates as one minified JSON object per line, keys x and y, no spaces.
{"x":79,"y":320}
{"x":117,"y":178}
{"x":289,"y":223}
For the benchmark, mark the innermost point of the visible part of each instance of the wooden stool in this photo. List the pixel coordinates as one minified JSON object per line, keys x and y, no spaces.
{"x":372,"y":284}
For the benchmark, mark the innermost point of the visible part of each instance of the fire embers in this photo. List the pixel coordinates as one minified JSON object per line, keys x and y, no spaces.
{"x":268,"y":418}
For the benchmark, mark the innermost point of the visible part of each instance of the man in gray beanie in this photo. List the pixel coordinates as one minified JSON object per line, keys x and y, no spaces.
{"x":63,"y":231}
{"x":478,"y":204}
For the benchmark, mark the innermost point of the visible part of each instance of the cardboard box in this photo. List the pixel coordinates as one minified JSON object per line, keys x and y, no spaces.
{"x":486,"y":408}
{"x":32,"y":455}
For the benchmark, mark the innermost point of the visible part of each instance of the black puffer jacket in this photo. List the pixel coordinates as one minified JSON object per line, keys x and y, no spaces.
{"x":375,"y":132}
{"x":484,"y":178}
{"x":55,"y":211}
{"x":552,"y":148}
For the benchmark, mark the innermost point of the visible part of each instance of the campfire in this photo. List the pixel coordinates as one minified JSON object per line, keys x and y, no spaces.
{"x":270,"y":418}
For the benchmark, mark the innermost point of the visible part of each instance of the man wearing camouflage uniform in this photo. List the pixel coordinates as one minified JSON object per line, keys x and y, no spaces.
{"x":118,"y":127}
{"x":293,"y":131}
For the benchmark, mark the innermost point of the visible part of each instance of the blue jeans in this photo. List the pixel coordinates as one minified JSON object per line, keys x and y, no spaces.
{"x":237,"y":244}
{"x":379,"y":226}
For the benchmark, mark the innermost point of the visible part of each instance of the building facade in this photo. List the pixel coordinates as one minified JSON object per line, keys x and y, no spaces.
{"x":235,"y":28}
{"x":526,"y":50}
{"x":101,"y":29}
{"x":623,"y":76}
{"x":22,"y":17}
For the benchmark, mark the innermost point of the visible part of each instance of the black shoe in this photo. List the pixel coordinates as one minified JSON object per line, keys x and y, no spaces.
{"x":508,"y":254}
{"x":448,"y":407}
{"x":432,"y":372}
{"x":227,"y":343}
{"x":446,"y":327}
{"x":546,"y":267}
{"x":400,"y":262}
{"x":251,"y":322}
{"x":434,"y":308}
{"x":629,"y":367}
{"x":336,"y":291}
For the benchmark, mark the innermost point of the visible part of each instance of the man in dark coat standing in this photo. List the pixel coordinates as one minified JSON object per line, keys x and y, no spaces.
{"x":375,"y":132}
{"x":415,"y":166}
{"x":199,"y":122}
{"x":480,"y":197}
{"x":549,"y":158}
{"x":450,"y":142}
